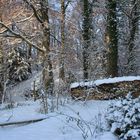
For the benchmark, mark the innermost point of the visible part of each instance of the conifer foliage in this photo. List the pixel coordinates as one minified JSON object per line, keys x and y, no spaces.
{"x":19,"y":69}
{"x":124,"y":118}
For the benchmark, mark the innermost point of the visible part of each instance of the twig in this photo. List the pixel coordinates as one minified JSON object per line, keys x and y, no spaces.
{"x":18,"y":35}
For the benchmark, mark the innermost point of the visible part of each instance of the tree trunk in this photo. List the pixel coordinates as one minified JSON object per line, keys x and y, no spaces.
{"x":1,"y":58}
{"x":62,"y":57}
{"x":48,"y":73}
{"x":29,"y":52}
{"x":112,"y":35}
{"x":1,"y":72}
{"x":134,"y":19}
{"x":86,"y":38}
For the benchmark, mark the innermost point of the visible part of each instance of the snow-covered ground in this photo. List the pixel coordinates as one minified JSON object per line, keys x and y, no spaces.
{"x":16,"y":93}
{"x":73,"y":121}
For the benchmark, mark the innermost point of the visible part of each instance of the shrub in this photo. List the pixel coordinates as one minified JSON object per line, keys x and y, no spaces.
{"x":123,"y":116}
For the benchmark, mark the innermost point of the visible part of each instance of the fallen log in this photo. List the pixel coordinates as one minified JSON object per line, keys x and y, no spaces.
{"x":106,"y":91}
{"x":22,"y":122}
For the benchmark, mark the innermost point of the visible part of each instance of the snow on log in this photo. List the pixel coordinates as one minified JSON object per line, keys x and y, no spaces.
{"x":104,"y":81}
{"x":110,"y":88}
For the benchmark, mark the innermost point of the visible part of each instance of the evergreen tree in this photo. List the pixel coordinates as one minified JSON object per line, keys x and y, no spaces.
{"x":18,"y":67}
{"x":123,"y":118}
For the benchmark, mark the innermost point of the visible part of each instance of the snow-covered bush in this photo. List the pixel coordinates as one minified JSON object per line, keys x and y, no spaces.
{"x":123,"y":116}
{"x":19,"y":68}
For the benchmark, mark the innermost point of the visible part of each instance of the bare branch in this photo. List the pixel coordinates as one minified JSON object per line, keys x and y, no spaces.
{"x":18,"y":35}
{"x":127,"y":14}
{"x":23,"y":20}
{"x":34,"y":10}
{"x":55,"y":38}
{"x":67,"y":4}
{"x":39,"y":18}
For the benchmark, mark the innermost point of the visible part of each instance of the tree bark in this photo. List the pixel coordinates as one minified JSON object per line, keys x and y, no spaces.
{"x":1,"y":73}
{"x":1,"y":58}
{"x":48,"y":73}
{"x":134,"y":19}
{"x":112,"y":36}
{"x":62,"y":57}
{"x":86,"y":38}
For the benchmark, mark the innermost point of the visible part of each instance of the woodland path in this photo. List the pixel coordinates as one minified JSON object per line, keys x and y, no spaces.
{"x":16,"y":93}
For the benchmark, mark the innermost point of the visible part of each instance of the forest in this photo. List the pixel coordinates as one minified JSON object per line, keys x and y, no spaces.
{"x":70,"y":68}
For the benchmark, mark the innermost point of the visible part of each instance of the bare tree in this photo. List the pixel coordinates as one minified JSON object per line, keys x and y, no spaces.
{"x":86,"y":36}
{"x":133,"y":25}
